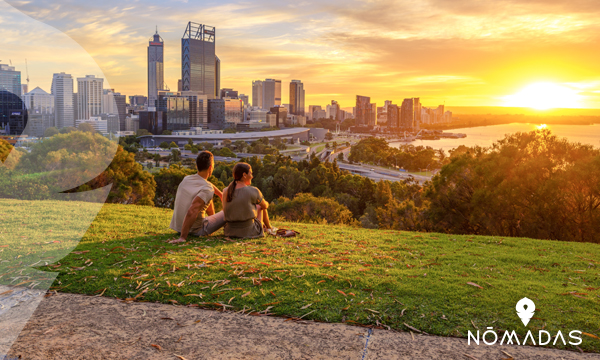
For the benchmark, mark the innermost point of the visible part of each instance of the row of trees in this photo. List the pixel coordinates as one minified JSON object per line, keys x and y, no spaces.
{"x":526,"y":185}
{"x":377,"y":151}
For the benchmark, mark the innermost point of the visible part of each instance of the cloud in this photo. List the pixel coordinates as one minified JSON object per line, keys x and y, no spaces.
{"x":465,"y":50}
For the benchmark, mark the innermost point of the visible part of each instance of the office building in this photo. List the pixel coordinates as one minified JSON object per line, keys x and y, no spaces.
{"x":24,"y":89}
{"x":319,"y":114}
{"x":89,"y":97}
{"x":280,"y":115}
{"x":97,"y":123}
{"x":200,"y":67}
{"x":138,"y":101}
{"x":10,"y":84}
{"x":393,"y":115}
{"x":311,"y":109}
{"x":296,"y":97}
{"x":112,"y":122}
{"x":132,"y":123}
{"x":257,"y":94}
{"x":217,"y":75}
{"x":244,"y":99}
{"x":363,"y":110}
{"x":228,"y":93}
{"x":410,"y":114}
{"x":153,"y":121}
{"x":373,"y":119}
{"x":224,"y":113}
{"x":271,"y":93}
{"x":156,"y":77}
{"x":62,"y":89}
{"x":17,"y":119}
{"x":183,"y":110}
{"x":40,"y":111}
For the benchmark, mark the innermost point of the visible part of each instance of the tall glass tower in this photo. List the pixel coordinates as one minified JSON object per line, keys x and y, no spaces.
{"x":199,"y":64}
{"x":156,"y":76}
{"x":10,"y":85}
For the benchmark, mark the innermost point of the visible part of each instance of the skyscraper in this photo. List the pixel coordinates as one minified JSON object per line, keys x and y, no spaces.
{"x":410,"y":114}
{"x":363,"y":110}
{"x":89,"y":97}
{"x":271,"y":93}
{"x":10,"y":84}
{"x":62,"y":89}
{"x":296,"y":97}
{"x":200,"y":66}
{"x":156,"y":76}
{"x":257,"y":93}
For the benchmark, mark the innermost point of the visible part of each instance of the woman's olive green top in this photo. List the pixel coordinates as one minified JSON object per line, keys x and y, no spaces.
{"x":240,"y":213}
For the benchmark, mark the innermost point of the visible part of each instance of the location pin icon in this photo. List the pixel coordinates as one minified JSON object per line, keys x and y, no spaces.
{"x":525,"y":310}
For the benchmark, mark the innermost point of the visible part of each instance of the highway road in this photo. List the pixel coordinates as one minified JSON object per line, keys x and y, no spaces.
{"x":370,"y":171}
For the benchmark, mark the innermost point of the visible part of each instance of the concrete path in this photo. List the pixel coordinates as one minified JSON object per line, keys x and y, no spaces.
{"x":67,"y":326}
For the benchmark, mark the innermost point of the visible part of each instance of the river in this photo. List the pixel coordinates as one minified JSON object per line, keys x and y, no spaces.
{"x":487,"y":135}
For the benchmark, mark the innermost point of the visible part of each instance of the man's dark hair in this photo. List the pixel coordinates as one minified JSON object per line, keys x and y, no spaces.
{"x":204,"y":160}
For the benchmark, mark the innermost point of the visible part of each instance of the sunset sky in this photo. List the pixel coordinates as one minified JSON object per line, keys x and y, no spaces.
{"x":461,"y":52}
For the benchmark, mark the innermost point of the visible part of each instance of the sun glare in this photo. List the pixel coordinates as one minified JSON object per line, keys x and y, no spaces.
{"x":543,"y":96}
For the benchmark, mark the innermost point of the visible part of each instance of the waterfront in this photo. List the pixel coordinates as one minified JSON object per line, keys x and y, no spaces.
{"x":487,"y":135}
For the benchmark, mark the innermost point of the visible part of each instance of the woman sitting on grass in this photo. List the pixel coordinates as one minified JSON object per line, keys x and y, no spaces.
{"x":244,"y":207}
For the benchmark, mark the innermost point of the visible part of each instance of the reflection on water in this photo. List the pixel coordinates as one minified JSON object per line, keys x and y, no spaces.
{"x":487,"y":135}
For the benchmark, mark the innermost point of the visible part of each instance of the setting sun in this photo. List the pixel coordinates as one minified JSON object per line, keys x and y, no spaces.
{"x":543,"y":96}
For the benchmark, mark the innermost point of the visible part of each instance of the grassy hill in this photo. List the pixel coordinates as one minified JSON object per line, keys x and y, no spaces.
{"x":437,"y":283}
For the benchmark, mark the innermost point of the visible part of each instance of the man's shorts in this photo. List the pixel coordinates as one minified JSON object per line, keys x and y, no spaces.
{"x":211,"y":224}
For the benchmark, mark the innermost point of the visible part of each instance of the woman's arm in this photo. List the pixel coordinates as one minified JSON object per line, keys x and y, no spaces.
{"x":218,"y":192}
{"x":224,"y":196}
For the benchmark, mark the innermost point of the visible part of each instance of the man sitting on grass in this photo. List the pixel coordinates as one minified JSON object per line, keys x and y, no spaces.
{"x":193,"y":202}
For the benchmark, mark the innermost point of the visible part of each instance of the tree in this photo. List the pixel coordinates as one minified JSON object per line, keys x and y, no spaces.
{"x":229,"y":131}
{"x":307,"y":208}
{"x":227,"y":152}
{"x":167,"y":132}
{"x":175,"y":155}
{"x":143,"y":132}
{"x":195,"y":150}
{"x":156,"y":158}
{"x":289,"y":181}
{"x":328,"y":136}
{"x":190,"y":142}
{"x":15,"y":154}
{"x":187,"y":147}
{"x":167,"y":181}
{"x":206,"y":146}
{"x":51,"y":131}
{"x":227,"y":143}
{"x":67,"y":130}
{"x":164,"y":145}
{"x":86,"y":127}
{"x":240,"y":145}
{"x":130,"y":184}
{"x":340,"y":156}
{"x":173,"y":145}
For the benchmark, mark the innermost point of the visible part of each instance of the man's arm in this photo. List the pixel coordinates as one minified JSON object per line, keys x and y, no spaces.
{"x":189,"y":219}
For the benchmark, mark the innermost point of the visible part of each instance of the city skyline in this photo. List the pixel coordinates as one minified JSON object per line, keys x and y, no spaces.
{"x":467,"y":54}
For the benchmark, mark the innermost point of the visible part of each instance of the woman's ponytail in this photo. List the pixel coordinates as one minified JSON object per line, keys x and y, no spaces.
{"x":238,"y":172}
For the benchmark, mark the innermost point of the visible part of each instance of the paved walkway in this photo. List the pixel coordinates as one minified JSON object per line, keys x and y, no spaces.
{"x":67,"y":326}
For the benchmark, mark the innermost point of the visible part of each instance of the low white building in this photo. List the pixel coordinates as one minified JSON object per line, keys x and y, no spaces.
{"x":97,"y":123}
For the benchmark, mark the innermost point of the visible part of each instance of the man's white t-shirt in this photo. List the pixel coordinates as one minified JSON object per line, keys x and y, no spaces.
{"x":190,"y":187}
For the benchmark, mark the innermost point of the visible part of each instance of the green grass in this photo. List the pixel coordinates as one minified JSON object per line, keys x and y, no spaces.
{"x":352,"y":275}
